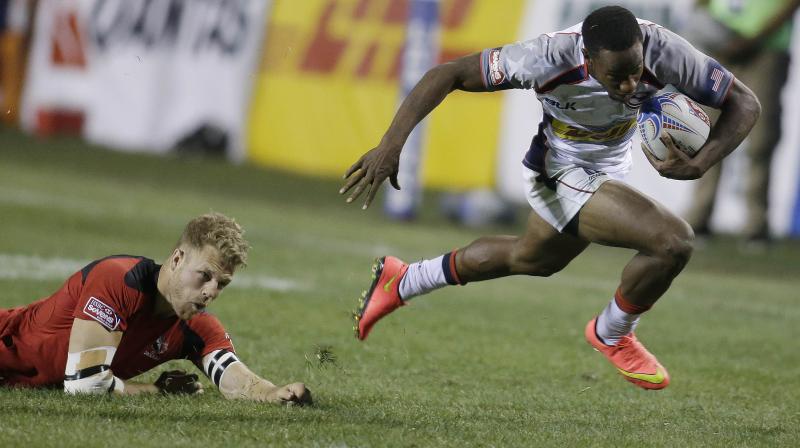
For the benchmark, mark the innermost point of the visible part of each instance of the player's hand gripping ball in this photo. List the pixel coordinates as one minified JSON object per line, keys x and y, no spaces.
{"x":178,"y":382}
{"x":676,"y":115}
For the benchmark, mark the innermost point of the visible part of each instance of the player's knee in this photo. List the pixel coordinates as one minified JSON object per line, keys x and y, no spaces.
{"x":676,"y":244}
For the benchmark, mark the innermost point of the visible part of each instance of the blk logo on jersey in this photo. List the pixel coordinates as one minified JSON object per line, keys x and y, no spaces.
{"x":102,"y":313}
{"x":569,"y":105}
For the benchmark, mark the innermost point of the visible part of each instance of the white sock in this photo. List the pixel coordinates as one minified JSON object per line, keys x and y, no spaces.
{"x":422,"y":277}
{"x":613,"y":323}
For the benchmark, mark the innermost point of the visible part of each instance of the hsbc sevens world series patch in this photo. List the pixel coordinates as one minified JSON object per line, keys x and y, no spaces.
{"x":102,"y":313}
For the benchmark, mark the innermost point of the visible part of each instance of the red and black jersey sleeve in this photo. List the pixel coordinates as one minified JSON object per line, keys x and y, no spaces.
{"x":203,"y":334}
{"x":113,"y":289}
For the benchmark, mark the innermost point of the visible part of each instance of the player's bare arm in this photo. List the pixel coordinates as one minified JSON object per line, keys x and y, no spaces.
{"x":383,"y":161}
{"x":738,"y":115}
{"x":237,"y":382}
{"x":88,"y":370}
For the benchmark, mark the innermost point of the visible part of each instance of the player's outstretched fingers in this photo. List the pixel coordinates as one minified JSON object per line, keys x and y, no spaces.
{"x":373,"y":190}
{"x":354,"y":174}
{"x":364,"y":184}
{"x":353,"y":168}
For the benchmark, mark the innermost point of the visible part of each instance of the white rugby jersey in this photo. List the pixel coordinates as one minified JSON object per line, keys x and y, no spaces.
{"x":581,"y":125}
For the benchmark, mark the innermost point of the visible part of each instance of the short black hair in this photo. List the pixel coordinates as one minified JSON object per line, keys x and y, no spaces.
{"x":612,"y":28}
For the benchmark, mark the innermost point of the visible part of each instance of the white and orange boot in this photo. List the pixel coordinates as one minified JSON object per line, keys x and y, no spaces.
{"x":631,"y":359}
{"x":383,"y":295}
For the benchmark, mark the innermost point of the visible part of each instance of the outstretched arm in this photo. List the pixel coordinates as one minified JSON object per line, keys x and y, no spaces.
{"x":236,"y":381}
{"x":383,"y":161}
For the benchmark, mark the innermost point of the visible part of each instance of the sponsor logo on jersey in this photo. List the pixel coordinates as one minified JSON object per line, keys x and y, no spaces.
{"x":102,"y":313}
{"x":593,"y":174}
{"x":567,"y":132}
{"x":496,"y":75}
{"x":569,"y":105}
{"x":159,"y":347}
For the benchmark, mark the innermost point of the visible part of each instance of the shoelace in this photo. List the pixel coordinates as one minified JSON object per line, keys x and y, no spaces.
{"x":624,"y":343}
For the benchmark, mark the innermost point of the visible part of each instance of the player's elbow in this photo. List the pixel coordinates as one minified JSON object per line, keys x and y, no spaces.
{"x":755,"y":107}
{"x":744,"y":100}
{"x":446,"y":74}
{"x":751,"y":105}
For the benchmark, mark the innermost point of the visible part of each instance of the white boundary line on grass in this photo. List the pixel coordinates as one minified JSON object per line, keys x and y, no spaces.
{"x":33,"y":267}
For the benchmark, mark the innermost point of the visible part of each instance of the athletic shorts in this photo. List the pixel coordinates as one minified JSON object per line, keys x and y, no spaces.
{"x":558,"y":198}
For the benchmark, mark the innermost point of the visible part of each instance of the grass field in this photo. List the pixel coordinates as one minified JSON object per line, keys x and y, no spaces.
{"x":501,"y":363}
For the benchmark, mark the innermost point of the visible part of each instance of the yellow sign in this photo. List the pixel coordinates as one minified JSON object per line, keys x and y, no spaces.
{"x":328,"y":87}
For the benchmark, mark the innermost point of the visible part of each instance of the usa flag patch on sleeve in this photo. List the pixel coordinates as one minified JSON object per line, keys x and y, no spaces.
{"x":102,"y":313}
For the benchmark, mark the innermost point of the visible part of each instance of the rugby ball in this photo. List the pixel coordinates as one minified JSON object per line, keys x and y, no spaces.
{"x":677,"y":115}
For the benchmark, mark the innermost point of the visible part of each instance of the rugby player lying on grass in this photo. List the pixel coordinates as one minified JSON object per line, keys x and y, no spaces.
{"x":122,"y":315}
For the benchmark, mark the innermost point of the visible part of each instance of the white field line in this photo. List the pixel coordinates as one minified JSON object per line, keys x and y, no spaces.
{"x":32,"y":267}
{"x":38,"y":268}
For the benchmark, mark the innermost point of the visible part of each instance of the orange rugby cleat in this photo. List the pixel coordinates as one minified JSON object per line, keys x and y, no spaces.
{"x":383,"y":295}
{"x":631,"y":359}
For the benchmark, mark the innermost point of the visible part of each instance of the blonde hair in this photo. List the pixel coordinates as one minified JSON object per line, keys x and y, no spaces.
{"x":217,"y":230}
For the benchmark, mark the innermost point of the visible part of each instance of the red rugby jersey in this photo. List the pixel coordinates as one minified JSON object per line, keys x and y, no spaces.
{"x":119,"y":293}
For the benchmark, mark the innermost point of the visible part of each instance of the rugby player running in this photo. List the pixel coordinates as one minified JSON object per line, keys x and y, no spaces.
{"x":123,"y":315}
{"x":591,"y":79}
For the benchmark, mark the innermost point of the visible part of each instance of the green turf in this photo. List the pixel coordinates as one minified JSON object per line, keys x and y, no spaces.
{"x":501,"y":363}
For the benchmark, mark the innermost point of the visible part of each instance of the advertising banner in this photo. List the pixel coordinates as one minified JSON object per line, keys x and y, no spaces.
{"x":329,"y":84}
{"x":143,"y":74}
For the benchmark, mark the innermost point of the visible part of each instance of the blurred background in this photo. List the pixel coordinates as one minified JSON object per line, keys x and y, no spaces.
{"x":307,"y":86}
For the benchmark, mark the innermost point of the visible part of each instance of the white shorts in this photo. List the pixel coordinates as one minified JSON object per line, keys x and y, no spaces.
{"x":559,"y":198}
